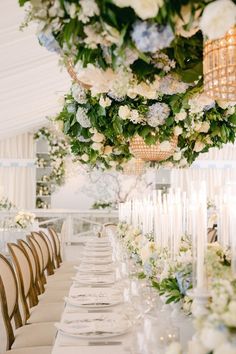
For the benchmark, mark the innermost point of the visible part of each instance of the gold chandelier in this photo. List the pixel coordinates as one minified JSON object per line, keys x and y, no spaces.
{"x":219,"y":67}
{"x":155,"y":152}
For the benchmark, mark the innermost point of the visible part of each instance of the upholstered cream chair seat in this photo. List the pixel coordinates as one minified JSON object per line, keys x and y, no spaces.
{"x":34,"y":335}
{"x":46,"y":312}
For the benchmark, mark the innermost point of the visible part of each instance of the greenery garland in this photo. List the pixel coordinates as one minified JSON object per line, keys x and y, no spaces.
{"x":141,"y":64}
{"x":100,"y":132}
{"x":58,"y":150}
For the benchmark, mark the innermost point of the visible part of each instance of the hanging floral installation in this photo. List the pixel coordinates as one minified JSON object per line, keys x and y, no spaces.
{"x":58,"y":150}
{"x":137,"y":67}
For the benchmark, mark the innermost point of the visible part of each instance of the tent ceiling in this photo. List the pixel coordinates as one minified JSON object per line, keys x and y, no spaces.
{"x":31,"y":81}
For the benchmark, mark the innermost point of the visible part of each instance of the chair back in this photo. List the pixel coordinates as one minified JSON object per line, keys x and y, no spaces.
{"x":50,"y":250}
{"x":24,"y":275}
{"x":47,"y":265}
{"x":33,"y":264}
{"x":9,"y":299}
{"x":56,"y":244}
{"x":39,"y":259}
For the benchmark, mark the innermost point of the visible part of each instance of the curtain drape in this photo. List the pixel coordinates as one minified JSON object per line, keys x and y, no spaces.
{"x":215,"y":178}
{"x":17,"y":183}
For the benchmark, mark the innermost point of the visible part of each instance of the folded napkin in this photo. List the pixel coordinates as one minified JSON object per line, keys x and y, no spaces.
{"x":95,"y":328}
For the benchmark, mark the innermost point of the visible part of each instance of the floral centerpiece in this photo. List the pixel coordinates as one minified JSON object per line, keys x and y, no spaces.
{"x":24,"y":219}
{"x":137,"y":65}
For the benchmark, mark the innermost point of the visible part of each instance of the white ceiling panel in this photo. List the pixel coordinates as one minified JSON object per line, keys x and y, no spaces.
{"x":31,"y":82}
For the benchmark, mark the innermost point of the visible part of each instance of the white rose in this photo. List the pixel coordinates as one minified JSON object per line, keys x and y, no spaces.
{"x":84,"y":157}
{"x":211,"y":338}
{"x":217,"y":18}
{"x":231,"y":110}
{"x":205,"y":126}
{"x":187,"y":20}
{"x":124,"y":112}
{"x":177,"y":156}
{"x":72,"y":10}
{"x":199,"y":146}
{"x":98,"y":137}
{"x":93,"y":130}
{"x":104,"y":102}
{"x":178,"y":130}
{"x":97,"y":146}
{"x":165,"y":145}
{"x":181,"y":115}
{"x":226,"y":348}
{"x":107,"y":150}
{"x":174,"y":348}
{"x":146,"y":8}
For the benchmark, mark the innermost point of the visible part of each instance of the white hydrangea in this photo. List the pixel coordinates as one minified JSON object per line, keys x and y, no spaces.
{"x":82,"y":118}
{"x":78,"y":93}
{"x":89,"y":8}
{"x":171,"y":85}
{"x":56,"y":10}
{"x":158,"y":113}
{"x":182,"y":115}
{"x":200,"y":102}
{"x":162,"y":61}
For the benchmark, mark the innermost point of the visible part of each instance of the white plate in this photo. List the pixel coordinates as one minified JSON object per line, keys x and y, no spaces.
{"x":103,"y":303}
{"x":96,"y":261}
{"x":97,"y":331}
{"x":99,"y":280}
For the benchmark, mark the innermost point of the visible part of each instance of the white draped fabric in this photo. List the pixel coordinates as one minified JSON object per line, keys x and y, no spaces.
{"x":31,"y":81}
{"x":16,"y":182}
{"x":228,"y":152}
{"x":18,"y":147}
{"x":215,"y":178}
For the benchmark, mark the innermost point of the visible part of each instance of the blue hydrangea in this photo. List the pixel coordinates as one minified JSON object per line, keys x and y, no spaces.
{"x":48,"y":41}
{"x":150,"y":37}
{"x":147,"y":268}
{"x":184,"y":281}
{"x":71,"y":108}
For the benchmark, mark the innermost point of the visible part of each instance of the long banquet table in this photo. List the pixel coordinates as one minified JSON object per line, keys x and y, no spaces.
{"x":99,"y":314}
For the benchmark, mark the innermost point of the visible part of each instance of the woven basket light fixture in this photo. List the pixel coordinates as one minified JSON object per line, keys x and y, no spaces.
{"x":73,"y":75}
{"x":134,"y":167}
{"x":219,"y":67}
{"x":154,"y":152}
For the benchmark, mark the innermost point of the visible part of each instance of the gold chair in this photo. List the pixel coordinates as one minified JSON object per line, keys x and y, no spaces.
{"x":43,"y":312}
{"x":22,"y":336}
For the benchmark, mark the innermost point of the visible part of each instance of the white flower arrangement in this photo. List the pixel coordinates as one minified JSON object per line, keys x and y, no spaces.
{"x":24,"y":219}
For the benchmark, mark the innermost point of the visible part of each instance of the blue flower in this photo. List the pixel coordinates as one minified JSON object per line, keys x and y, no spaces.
{"x":150,"y":37}
{"x":48,"y":41}
{"x":147,"y":268}
{"x":184,"y":281}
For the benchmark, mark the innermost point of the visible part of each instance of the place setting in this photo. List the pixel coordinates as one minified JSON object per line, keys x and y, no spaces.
{"x":94,"y":297}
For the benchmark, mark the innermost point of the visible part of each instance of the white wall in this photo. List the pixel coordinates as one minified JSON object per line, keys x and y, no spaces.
{"x":70,"y":195}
